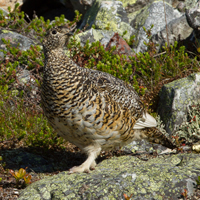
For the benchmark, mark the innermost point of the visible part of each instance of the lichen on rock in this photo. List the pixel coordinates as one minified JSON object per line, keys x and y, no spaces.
{"x":161,"y":177}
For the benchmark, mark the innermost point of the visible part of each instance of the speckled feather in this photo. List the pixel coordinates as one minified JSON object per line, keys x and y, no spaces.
{"x":91,"y":109}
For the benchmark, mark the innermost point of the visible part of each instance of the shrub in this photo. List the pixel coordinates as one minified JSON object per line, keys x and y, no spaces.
{"x":24,"y":124}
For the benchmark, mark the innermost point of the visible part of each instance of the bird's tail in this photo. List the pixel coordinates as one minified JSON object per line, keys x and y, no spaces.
{"x":156,"y":136}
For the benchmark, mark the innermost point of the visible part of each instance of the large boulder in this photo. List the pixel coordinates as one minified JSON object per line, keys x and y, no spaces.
{"x":160,"y":178}
{"x":175,"y":98}
{"x":185,"y":30}
{"x":177,"y":30}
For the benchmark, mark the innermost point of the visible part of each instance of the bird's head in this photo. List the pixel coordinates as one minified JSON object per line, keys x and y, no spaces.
{"x":57,"y":38}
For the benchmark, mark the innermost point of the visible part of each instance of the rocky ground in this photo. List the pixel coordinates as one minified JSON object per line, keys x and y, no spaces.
{"x":44,"y":163}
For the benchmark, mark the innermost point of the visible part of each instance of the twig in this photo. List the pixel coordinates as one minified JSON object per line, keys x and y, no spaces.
{"x":166,"y":24}
{"x":159,"y":54}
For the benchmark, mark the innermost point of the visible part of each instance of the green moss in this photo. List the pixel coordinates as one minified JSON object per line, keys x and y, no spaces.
{"x":105,"y":19}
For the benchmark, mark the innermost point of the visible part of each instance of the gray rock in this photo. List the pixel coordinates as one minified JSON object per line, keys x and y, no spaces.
{"x":160,"y":178}
{"x":175,"y":97}
{"x":153,"y":14}
{"x":15,"y":39}
{"x":132,"y":16}
{"x":94,"y":35}
{"x":190,"y":186}
{"x":143,"y":146}
{"x":24,"y":77}
{"x":26,"y":85}
{"x":108,"y":15}
{"x":193,"y":19}
{"x":186,"y":32}
{"x":177,"y":30}
{"x":137,"y":5}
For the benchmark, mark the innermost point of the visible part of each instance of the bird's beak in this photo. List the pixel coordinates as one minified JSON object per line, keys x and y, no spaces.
{"x":65,"y":29}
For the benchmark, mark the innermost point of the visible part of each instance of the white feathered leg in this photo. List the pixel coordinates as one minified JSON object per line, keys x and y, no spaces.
{"x":92,"y":152}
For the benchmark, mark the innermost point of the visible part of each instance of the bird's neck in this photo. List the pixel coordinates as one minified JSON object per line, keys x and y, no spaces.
{"x":54,"y":54}
{"x":57,"y":61}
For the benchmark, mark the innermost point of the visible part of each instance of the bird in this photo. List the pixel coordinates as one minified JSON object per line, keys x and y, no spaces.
{"x":89,"y":108}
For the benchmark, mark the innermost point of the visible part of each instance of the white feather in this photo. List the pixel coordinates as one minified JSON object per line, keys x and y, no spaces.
{"x":147,"y":121}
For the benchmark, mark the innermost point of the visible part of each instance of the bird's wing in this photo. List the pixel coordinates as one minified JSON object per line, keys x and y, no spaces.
{"x":124,"y":94}
{"x":118,"y":90}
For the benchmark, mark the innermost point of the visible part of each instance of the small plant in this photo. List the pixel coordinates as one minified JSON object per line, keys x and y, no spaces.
{"x":185,"y":194}
{"x":27,"y":125}
{"x":131,"y":40}
{"x":190,"y":130}
{"x":21,"y":174}
{"x":27,"y":179}
{"x":178,"y":141}
{"x":14,"y":57}
{"x":1,"y":166}
{"x":127,"y":197}
{"x":198,"y":180}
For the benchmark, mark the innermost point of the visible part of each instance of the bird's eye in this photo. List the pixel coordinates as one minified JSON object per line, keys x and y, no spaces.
{"x":54,"y":32}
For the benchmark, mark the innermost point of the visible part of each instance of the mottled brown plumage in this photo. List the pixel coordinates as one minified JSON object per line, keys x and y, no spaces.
{"x":91,"y":109}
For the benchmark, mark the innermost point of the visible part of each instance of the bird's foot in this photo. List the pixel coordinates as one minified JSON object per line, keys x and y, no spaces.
{"x":82,"y":168}
{"x":89,"y":164}
{"x":79,"y":169}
